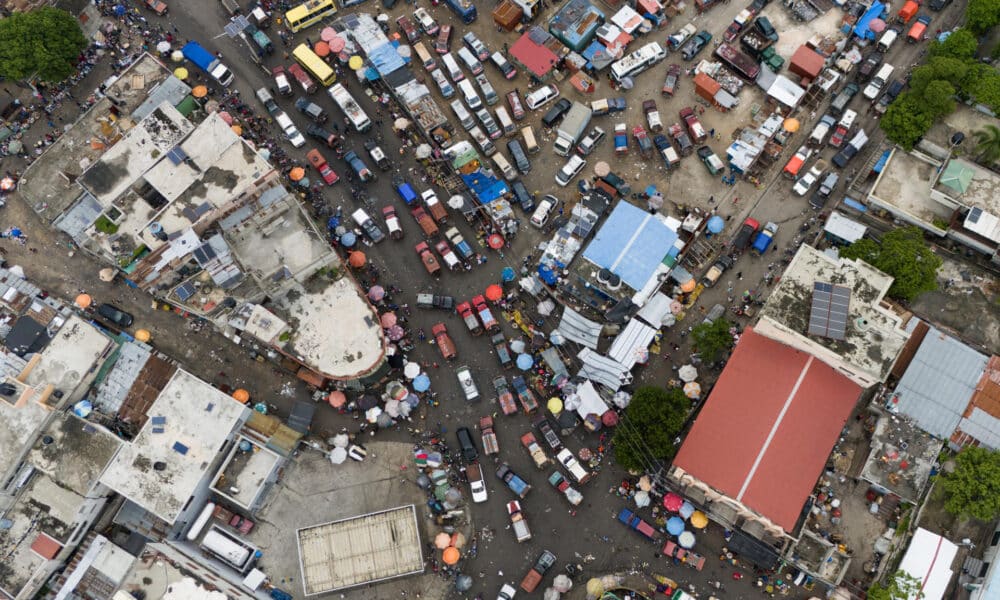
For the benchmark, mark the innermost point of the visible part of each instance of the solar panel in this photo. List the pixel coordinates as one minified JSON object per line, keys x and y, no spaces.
{"x":159,"y":420}
{"x":974,"y":215}
{"x":828,"y":316}
{"x":180,"y":448}
{"x":177,"y":155}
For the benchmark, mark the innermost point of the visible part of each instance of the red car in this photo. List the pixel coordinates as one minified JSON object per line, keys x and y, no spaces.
{"x":516,"y":107}
{"x":316,"y":160}
{"x":407,"y":29}
{"x":442,"y":44}
{"x":485,"y":315}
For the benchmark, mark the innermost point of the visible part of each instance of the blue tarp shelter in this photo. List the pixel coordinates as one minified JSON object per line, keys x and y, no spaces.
{"x":861,"y":28}
{"x":632,"y":244}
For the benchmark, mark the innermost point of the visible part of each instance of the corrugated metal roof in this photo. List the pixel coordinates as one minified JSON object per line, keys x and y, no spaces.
{"x":939,"y":383}
{"x":982,"y":426}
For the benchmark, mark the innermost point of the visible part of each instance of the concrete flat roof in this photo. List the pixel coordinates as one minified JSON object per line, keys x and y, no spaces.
{"x":187,"y":425}
{"x":244,"y":474}
{"x":73,"y":452}
{"x":359,"y":550}
{"x":18,"y":426}
{"x":355,"y":347}
{"x":71,"y":353}
{"x":904,"y":188}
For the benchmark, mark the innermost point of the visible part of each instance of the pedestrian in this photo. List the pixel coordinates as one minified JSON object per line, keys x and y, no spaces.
{"x":711,"y":199}
{"x":739,"y":275}
{"x":711,"y":132}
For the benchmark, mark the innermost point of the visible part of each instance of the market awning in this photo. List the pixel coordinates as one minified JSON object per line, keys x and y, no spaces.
{"x":579,"y":329}
{"x":606,"y":371}
{"x":632,"y":344}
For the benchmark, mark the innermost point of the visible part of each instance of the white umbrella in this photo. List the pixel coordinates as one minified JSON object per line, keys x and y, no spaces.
{"x":341,"y":440}
{"x":686,"y":539}
{"x":403,"y":51}
{"x":338,"y":455}
{"x":668,"y":320}
{"x":177,"y":56}
{"x":401,"y":123}
{"x":571,"y":403}
{"x":562,"y":583}
{"x":411,"y":370}
{"x":392,"y":408}
{"x":517,"y":346}
{"x":641,"y":499}
{"x":382,"y":18}
{"x":457,"y":201}
{"x":423,"y":151}
{"x":404,"y":409}
{"x":546,"y":307}
{"x":163,"y":47}
{"x":687,"y":373}
{"x":551,"y":594}
{"x":622,"y":399}
{"x":372,"y":414}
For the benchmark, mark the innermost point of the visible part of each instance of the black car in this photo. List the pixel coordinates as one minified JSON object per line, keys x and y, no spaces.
{"x":311,"y":110}
{"x":549,"y":434}
{"x":557,"y":112}
{"x":326,"y":136}
{"x":466,"y":443}
{"x":695,"y":45}
{"x":115,"y":315}
{"x":523,"y":197}
{"x":434,"y":301}
{"x":764,"y":26}
{"x":938,"y":5}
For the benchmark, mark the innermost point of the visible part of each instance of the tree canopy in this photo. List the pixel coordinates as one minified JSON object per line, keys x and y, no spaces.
{"x":904,"y":255}
{"x":712,"y":339}
{"x":982,"y":15}
{"x":961,"y":44}
{"x":973,"y":488}
{"x":901,"y":586}
{"x":906,"y":121}
{"x":45,"y":42}
{"x":649,"y":426}
{"x":987,"y":144}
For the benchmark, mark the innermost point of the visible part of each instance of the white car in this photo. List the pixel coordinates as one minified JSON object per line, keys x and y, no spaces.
{"x":427,"y":23}
{"x":541,"y":97}
{"x":467,"y":383}
{"x":442,"y":82}
{"x":477,"y":483}
{"x":291,"y":131}
{"x":806,"y":181}
{"x":575,"y":469}
{"x":506,"y":592}
{"x":571,"y":169}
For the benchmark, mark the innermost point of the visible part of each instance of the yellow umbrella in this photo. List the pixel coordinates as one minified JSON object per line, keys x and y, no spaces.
{"x":143,"y":335}
{"x":355,"y":62}
{"x":181,"y":73}
{"x":699,"y":520}
{"x":595,"y":587}
{"x":555,"y":405}
{"x":237,"y":129}
{"x":792,"y":125}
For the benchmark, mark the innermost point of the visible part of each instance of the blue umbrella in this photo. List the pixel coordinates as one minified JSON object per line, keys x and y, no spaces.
{"x":687,"y":509}
{"x":716,"y":224}
{"x":348,"y":239}
{"x":675,"y":525}
{"x":524,"y":361}
{"x":119,"y":10}
{"x":83,"y":408}
{"x":332,"y":222}
{"x":412,"y":399}
{"x":508,"y":274}
{"x":650,"y":190}
{"x":422,"y":383}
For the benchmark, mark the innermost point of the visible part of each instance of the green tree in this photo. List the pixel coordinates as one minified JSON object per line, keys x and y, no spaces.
{"x":987,"y":144}
{"x":906,"y":121}
{"x":985,"y":87}
{"x":982,"y":15}
{"x":45,"y":42}
{"x":939,"y":98}
{"x":712,"y":339}
{"x":952,"y":70}
{"x":902,"y":586}
{"x":648,"y":429}
{"x":973,"y":488}
{"x":961,"y":44}
{"x":904,"y":255}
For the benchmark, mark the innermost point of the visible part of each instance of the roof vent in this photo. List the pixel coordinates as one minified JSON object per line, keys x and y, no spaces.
{"x":47,"y":440}
{"x":159,"y":466}
{"x":862,"y":324}
{"x":604,"y":275}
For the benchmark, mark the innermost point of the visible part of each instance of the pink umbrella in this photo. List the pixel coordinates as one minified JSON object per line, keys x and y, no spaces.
{"x":388,"y":320}
{"x":336,"y":399}
{"x":877,"y":25}
{"x":610,"y":418}
{"x":376,"y":293}
{"x":327,"y":34}
{"x":672,"y":502}
{"x":396,"y":333}
{"x":228,"y":118}
{"x":337,"y":44}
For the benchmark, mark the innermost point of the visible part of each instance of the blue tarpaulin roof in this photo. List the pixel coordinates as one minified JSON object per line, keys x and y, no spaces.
{"x":631,"y":244}
{"x":861,"y":28}
{"x":487,"y":189}
{"x":385,"y":59}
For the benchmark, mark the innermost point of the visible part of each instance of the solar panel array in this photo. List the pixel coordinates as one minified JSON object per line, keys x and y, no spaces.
{"x":828,"y":317}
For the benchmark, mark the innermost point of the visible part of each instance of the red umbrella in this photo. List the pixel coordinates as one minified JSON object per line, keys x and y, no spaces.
{"x":495,"y":241}
{"x":336,"y":399}
{"x":672,"y":502}
{"x":321,"y":49}
{"x":388,"y":320}
{"x":610,"y":418}
{"x":494,"y":293}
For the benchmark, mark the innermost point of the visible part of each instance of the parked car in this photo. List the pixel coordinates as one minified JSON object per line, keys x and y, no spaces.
{"x":445,"y":87}
{"x":588,"y":143}
{"x":427,"y":258}
{"x":556,"y":113}
{"x":392,"y":222}
{"x":670,"y":83}
{"x":503,"y":350}
{"x":711,"y":160}
{"x":407,"y":29}
{"x":115,"y":315}
{"x":332,"y":140}
{"x":281,"y":83}
{"x":442,"y":43}
{"x":476,"y":46}
{"x":652,"y":116}
{"x":450,"y":260}
{"x":548,"y":434}
{"x":377,"y":155}
{"x":538,"y":571}
{"x":467,"y":444}
{"x":427,"y":23}
{"x":516,"y":107}
{"x":319,"y":163}
{"x":477,"y":484}
{"x":311,"y":110}
{"x":643,"y":141}
{"x":516,"y":484}
{"x":570,"y":170}
{"x":443,"y":341}
{"x":434,"y":301}
{"x":541,"y":97}
{"x":525,"y":199}
{"x":696,"y":45}
{"x":576,"y":470}
{"x":467,"y":383}
{"x":806,"y":182}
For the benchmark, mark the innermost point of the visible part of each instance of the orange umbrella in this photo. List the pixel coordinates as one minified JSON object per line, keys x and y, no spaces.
{"x":143,"y":335}
{"x":336,"y":399}
{"x":450,"y":555}
{"x":199,"y":91}
{"x":237,"y":129}
{"x":297,"y":174}
{"x":357,"y":259}
{"x":321,"y":49}
{"x":494,"y":293}
{"x":84,"y":300}
{"x":689,"y":285}
{"x":241,"y":395}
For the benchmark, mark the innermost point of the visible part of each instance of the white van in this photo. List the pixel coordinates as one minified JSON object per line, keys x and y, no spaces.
{"x":470,"y":61}
{"x":885,"y":42}
{"x":451,"y":66}
{"x":482,"y":140}
{"x":464,"y":117}
{"x":878,"y":82}
{"x":506,"y":123}
{"x":530,"y":145}
{"x":469,"y":94}
{"x":541,"y":215}
{"x":571,"y":169}
{"x":508,"y":171}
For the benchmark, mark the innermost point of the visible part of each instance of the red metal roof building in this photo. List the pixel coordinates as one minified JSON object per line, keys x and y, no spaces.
{"x":766,"y":431}
{"x":534,"y":57}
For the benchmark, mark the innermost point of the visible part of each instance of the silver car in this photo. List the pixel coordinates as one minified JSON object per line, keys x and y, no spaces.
{"x":492,"y":129}
{"x":442,"y":82}
{"x":467,"y":383}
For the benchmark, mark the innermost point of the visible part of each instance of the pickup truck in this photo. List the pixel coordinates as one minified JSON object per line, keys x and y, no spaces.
{"x":687,"y":557}
{"x":677,"y":40}
{"x":461,"y":246}
{"x":634,"y":523}
{"x":358,"y":166}
{"x":843,"y":128}
{"x":670,"y":156}
{"x":856,"y":144}
{"x":291,"y":132}
{"x":671,"y":81}
{"x":513,"y":481}
{"x":559,"y":481}
{"x":822,"y":194}
{"x":502,"y":350}
{"x":208,"y":62}
{"x":537,"y":454}
{"x":576,"y":470}
{"x":537,"y":572}
{"x":621,"y":139}
{"x":764,"y":238}
{"x":607,"y":106}
{"x":430,"y":263}
{"x":427,"y":224}
{"x":544,"y":427}
{"x":392,"y":222}
{"x":819,"y":133}
{"x":318,"y":162}
{"x":377,"y":155}
{"x":485,"y":315}
{"x":432,"y":301}
{"x":716,"y":271}
{"x":745,"y":234}
{"x":698,"y":133}
{"x":467,"y":383}
{"x":517,"y":522}
{"x":683,"y":140}
{"x":437,"y":210}
{"x":332,"y":140}
{"x":506,"y":399}
{"x":642,"y":139}
{"x":524,"y":394}
{"x":490,"y":444}
{"x":157,"y":6}
{"x":449,"y":258}
{"x":442,"y":340}
{"x":652,"y":116}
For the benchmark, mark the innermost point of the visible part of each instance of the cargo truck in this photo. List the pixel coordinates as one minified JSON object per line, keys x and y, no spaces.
{"x":634,"y":523}
{"x":572,"y":128}
{"x":208,"y":62}
{"x":506,"y":399}
{"x":490,"y":444}
{"x":742,"y":64}
{"x":764,"y":238}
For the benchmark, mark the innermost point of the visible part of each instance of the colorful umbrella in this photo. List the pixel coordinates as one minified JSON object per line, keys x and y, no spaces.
{"x":716,"y":224}
{"x":337,"y":44}
{"x":357,"y":259}
{"x":524,"y":361}
{"x":442,"y":541}
{"x":877,"y":25}
{"x":422,"y":383}
{"x":181,"y":73}
{"x":376,"y":293}
{"x":199,"y":91}
{"x":384,"y":420}
{"x":341,"y":440}
{"x":675,"y":525}
{"x":367,"y":401}
{"x":494,"y":293}
{"x":348,"y":239}
{"x":355,"y":63}
{"x":508,"y":274}
{"x":392,"y":408}
{"x":450,"y":555}
{"x":371,"y":415}
{"x":495,"y":241}
{"x":338,"y":455}
{"x":610,"y":418}
{"x":555,"y":405}
{"x":388,"y":319}
{"x":672,"y":502}
{"x":242,"y":396}
{"x":411,"y":370}
{"x":602,"y":168}
{"x":687,"y":509}
{"x":84,"y":300}
{"x":692,"y":390}
{"x":321,"y":49}
{"x":295,"y":174}
{"x":641,"y":499}
{"x":699,"y":520}
{"x":327,"y":34}
{"x":686,"y":539}
{"x":396,"y":333}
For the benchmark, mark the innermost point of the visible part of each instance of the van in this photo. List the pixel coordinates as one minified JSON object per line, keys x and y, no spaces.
{"x":470,"y":61}
{"x":452,"y":67}
{"x":541,"y":215}
{"x":469,"y":94}
{"x":843,"y":99}
{"x":464,"y":117}
{"x":878,"y":82}
{"x":507,"y":69}
{"x":530,"y":145}
{"x":508,"y":171}
{"x":482,"y":140}
{"x":918,"y":30}
{"x":525,"y":199}
{"x":489,"y":94}
{"x":424,"y":56}
{"x":506,"y":123}
{"x":885,"y":42}
{"x":520,"y":158}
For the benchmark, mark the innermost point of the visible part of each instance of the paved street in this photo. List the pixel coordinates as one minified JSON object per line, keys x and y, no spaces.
{"x":591,"y":536}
